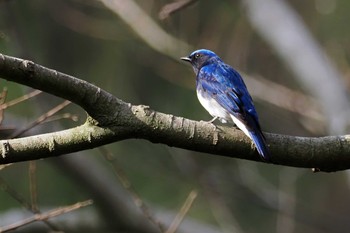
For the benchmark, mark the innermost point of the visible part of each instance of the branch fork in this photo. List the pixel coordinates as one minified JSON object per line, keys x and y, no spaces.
{"x":111,"y":119}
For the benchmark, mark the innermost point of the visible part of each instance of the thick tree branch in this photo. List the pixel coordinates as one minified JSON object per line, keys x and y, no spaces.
{"x":67,"y":87}
{"x":111,"y":120}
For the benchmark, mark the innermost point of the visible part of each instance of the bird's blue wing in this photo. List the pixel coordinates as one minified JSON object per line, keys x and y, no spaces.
{"x":227,"y":98}
{"x":226,"y":86}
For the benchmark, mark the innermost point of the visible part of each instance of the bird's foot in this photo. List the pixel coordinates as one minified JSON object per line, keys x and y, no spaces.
{"x":252,"y":145}
{"x":211,"y":122}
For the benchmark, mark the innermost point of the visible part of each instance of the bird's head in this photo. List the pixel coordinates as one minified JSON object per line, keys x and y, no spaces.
{"x":200,"y":58}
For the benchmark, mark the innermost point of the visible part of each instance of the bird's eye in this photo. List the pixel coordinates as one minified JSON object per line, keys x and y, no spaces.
{"x":197,"y":55}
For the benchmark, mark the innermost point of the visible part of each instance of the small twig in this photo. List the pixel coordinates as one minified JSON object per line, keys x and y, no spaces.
{"x":45,"y":216}
{"x":14,"y":194}
{"x":4,"y":105}
{"x":174,"y":7}
{"x":41,"y":118}
{"x":33,"y":186}
{"x":127,"y":185}
{"x":73,"y":117}
{"x":20,"y":199}
{"x":183,"y":211}
{"x":149,"y":31}
{"x":3,"y":96}
{"x":20,"y":99}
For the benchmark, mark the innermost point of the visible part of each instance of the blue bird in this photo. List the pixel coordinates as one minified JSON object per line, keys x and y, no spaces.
{"x":222,"y":92}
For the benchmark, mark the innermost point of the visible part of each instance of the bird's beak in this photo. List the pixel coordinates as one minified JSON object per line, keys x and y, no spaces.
{"x":186,"y":59}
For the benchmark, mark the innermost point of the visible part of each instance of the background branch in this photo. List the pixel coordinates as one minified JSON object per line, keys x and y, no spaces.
{"x":45,"y":216}
{"x":283,"y":29}
{"x":144,"y":26}
{"x":174,"y":7}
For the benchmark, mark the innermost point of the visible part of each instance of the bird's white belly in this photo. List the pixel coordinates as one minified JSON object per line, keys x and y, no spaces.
{"x":213,"y":107}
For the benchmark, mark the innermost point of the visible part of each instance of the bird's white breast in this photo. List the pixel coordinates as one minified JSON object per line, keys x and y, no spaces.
{"x":213,"y":107}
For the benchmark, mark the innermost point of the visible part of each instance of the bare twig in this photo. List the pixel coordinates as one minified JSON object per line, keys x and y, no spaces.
{"x":285,"y":219}
{"x":146,"y":28}
{"x":14,"y":194}
{"x":20,"y":99}
{"x":33,"y":186}
{"x":223,"y":215}
{"x":45,"y":216}
{"x":278,"y":23}
{"x":72,"y":117}
{"x":183,"y":211}
{"x":41,"y":119}
{"x":120,"y":174}
{"x":3,"y":96}
{"x":20,"y":199}
{"x":174,"y":7}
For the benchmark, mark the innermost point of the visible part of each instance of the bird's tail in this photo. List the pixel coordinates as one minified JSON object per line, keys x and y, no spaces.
{"x":260,"y":144}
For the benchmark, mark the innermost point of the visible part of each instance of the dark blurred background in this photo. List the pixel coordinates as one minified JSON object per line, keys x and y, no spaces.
{"x":137,"y":61}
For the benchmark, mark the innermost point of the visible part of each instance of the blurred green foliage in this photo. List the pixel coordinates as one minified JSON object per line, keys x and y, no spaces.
{"x":84,"y":39}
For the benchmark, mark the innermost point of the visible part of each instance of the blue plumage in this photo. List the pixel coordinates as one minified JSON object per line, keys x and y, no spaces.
{"x":222,"y":92}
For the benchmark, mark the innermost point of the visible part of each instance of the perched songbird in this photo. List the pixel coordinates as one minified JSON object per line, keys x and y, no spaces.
{"x":222,"y":92}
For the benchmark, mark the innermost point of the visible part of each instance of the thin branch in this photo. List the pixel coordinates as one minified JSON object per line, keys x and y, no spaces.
{"x":20,"y":99}
{"x":120,"y":174}
{"x":146,"y":28}
{"x":113,"y":120}
{"x":15,"y":195}
{"x":3,"y":96}
{"x":174,"y":7}
{"x":278,"y":23}
{"x":41,"y":119}
{"x":70,"y":116}
{"x":33,"y":187}
{"x":20,"y":199}
{"x":183,"y":211}
{"x":45,"y":216}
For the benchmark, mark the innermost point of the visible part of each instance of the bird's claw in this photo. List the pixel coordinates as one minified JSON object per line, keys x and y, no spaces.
{"x":212,"y":120}
{"x":252,"y":145}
